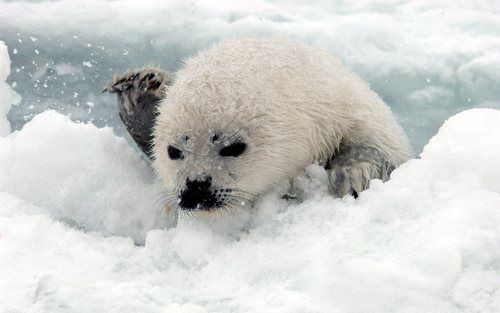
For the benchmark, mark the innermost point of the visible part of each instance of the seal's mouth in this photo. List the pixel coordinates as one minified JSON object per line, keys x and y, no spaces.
{"x":199,"y":202}
{"x":198,"y":195}
{"x":201,"y":195}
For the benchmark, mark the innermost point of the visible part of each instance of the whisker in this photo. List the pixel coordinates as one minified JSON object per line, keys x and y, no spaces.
{"x":167,"y":201}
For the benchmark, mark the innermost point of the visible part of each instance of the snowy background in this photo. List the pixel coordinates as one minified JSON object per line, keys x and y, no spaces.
{"x":74,"y":197}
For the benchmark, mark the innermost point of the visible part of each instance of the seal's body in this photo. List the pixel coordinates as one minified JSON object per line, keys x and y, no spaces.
{"x":250,"y":113}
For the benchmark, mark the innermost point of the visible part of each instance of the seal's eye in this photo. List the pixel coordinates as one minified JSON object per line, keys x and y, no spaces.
{"x":234,"y":150}
{"x":174,"y":153}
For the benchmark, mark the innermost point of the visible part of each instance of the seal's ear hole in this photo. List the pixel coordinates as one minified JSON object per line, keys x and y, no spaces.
{"x":234,"y":150}
{"x":174,"y":153}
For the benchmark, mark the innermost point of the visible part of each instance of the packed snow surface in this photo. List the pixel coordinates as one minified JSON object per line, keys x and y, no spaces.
{"x":427,"y":59}
{"x":426,"y":241}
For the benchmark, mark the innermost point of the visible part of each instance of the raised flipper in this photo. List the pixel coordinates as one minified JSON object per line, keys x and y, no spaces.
{"x":139,"y":92}
{"x":354,"y":166}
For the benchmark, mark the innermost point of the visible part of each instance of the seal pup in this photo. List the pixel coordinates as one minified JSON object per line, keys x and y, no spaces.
{"x":249,"y":113}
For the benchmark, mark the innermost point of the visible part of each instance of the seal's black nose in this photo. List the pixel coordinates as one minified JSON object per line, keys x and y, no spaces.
{"x":198,"y":195}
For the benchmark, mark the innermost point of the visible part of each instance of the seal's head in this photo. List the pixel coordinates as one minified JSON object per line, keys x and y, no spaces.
{"x":214,"y":155}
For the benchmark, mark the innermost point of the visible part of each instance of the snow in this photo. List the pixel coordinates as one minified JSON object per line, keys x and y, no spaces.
{"x":74,"y":198}
{"x":427,"y":59}
{"x":80,"y":174}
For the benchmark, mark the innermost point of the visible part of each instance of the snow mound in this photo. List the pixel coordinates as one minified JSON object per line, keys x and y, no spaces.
{"x":81,"y":174}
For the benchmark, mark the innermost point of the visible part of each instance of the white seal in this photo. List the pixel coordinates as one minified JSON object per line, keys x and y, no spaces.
{"x":248,"y":114}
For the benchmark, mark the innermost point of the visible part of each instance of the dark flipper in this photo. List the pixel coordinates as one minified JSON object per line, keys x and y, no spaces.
{"x":353,"y":168}
{"x":139,"y":93}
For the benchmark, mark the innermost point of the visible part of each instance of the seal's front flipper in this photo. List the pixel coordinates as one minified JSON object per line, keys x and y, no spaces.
{"x":354,"y":166}
{"x":139,"y":92}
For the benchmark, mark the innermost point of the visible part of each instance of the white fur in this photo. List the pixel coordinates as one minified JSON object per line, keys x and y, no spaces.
{"x":292,"y":104}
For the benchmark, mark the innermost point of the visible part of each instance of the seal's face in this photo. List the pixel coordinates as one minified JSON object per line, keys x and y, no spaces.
{"x":205,"y":177}
{"x":208,"y":164}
